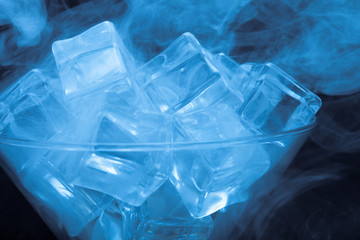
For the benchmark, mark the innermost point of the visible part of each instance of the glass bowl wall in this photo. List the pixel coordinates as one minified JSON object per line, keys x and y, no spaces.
{"x":28,"y":164}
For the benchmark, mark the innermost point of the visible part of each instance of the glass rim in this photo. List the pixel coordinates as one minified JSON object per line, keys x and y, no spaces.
{"x":154,"y":146}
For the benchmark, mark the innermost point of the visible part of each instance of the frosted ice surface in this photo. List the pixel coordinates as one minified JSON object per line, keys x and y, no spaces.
{"x":164,"y":216}
{"x":70,"y":206}
{"x":92,"y":59}
{"x":126,"y":118}
{"x":176,"y":75}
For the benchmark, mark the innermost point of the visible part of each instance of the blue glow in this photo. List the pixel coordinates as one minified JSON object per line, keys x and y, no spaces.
{"x":140,"y":71}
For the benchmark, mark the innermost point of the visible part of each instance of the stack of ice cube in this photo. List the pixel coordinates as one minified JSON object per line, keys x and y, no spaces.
{"x":185,"y":94}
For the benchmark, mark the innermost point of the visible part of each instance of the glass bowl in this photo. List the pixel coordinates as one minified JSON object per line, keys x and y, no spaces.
{"x":74,"y":213}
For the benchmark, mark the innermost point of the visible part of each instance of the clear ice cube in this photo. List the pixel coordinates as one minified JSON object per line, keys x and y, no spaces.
{"x":216,"y":122}
{"x":175,"y":76}
{"x":92,"y":59}
{"x":206,"y":108}
{"x":117,"y":221}
{"x":70,"y":206}
{"x":31,"y":110}
{"x":246,"y":100}
{"x":278,"y":103}
{"x":212,"y":178}
{"x":125,"y":119}
{"x":164,"y":216}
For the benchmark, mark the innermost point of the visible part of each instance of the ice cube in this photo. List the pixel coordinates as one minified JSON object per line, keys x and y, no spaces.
{"x":92,"y":59}
{"x":125,"y":119}
{"x":185,"y":77}
{"x":209,"y":98}
{"x":274,"y":101}
{"x":214,"y":123}
{"x":278,"y":103}
{"x":117,"y":221}
{"x":31,"y":111}
{"x":72,"y":207}
{"x":5,"y":115}
{"x":175,"y":76}
{"x":164,"y":216}
{"x":240,"y":79}
{"x":210,"y":179}
{"x":205,"y":98}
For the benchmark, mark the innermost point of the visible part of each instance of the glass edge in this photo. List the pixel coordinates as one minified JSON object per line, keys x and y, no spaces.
{"x":266,"y":138}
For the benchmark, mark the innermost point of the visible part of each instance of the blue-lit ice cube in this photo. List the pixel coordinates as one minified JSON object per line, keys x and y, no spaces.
{"x":68,"y":206}
{"x":129,"y":175}
{"x":279,"y":103}
{"x":164,"y":216}
{"x":174,"y":77}
{"x":188,"y":82}
{"x":92,"y":59}
{"x":274,"y":101}
{"x":117,"y":221}
{"x":5,"y":115}
{"x":185,"y":77}
{"x":240,"y":79}
{"x":213,"y":123}
{"x":227,"y":109}
{"x":31,"y":110}
{"x":209,"y":179}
